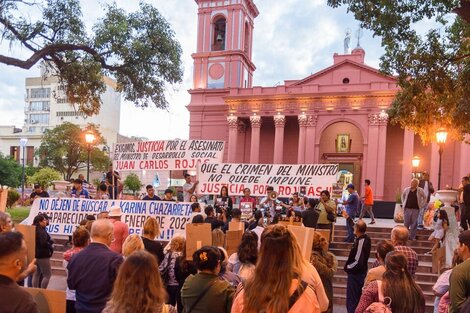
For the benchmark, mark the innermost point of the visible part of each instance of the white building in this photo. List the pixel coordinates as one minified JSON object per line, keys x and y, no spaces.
{"x":47,"y":107}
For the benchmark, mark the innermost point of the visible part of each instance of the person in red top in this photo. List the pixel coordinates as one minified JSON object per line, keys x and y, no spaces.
{"x":248,"y":198}
{"x":368,"y":202}
{"x":121,"y":230}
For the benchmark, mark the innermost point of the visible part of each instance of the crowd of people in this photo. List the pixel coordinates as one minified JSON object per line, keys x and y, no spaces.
{"x":109,"y":270}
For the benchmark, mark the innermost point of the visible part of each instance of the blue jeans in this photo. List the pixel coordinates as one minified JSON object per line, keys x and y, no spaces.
{"x":354,"y":291}
{"x":350,"y":228}
{"x":421,"y":216}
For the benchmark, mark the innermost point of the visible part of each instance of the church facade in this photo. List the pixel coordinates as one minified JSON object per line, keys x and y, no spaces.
{"x":337,"y":115}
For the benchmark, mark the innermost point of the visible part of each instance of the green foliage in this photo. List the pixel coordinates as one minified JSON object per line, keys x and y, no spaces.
{"x":64,"y":148}
{"x":138,"y":49}
{"x":44,"y":177}
{"x":133,"y":183}
{"x":18,"y":214}
{"x":12,"y":197}
{"x":10,"y":172}
{"x":433,"y":70}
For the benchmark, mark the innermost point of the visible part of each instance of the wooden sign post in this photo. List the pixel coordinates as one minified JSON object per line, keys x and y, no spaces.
{"x":304,"y":237}
{"x":233,"y":239}
{"x":48,"y":301}
{"x":3,"y":198}
{"x":29,"y":234}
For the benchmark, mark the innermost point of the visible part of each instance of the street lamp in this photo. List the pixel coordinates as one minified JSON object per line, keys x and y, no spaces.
{"x":415,"y":163}
{"x":89,"y":139}
{"x":441,"y":137}
{"x":23,"y":142}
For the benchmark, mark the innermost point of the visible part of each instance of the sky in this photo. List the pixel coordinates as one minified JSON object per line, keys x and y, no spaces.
{"x":292,"y":39}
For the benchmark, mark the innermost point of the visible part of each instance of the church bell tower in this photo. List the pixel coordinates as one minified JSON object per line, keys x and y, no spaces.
{"x":224,"y":44}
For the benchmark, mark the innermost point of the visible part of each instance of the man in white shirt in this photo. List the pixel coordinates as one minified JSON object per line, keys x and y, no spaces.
{"x":189,"y":188}
{"x":428,"y":191}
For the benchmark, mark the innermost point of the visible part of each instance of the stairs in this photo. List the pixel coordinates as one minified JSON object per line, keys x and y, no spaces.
{"x":57,"y":259}
{"x":424,"y":276}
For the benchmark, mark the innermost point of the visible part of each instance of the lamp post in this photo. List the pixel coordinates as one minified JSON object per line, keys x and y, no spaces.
{"x":441,"y":137}
{"x":415,"y":163}
{"x":23,"y":142}
{"x":89,"y":139}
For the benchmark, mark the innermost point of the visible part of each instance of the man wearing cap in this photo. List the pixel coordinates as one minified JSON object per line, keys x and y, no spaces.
{"x":459,"y":290}
{"x":38,"y":192}
{"x":121,"y":230}
{"x":79,"y":191}
{"x":151,"y":194}
{"x":351,"y":208}
{"x":168,"y":195}
{"x":189,"y":188}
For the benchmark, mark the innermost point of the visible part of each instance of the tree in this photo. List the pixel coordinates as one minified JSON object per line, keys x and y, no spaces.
{"x":433,"y":70}
{"x":44,"y":177}
{"x":64,"y":148}
{"x":138,"y":49}
{"x":133,"y":183}
{"x":10,"y":172}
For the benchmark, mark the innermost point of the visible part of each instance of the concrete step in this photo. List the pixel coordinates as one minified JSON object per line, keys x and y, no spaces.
{"x":380,"y":235}
{"x":346,"y":246}
{"x":59,"y":270}
{"x":423,"y":267}
{"x":341,"y":278}
{"x":414,"y":244}
{"x":344,"y":252}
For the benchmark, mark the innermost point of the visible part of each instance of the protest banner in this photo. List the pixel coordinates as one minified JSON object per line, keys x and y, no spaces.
{"x":29,"y":235}
{"x":286,"y":179}
{"x":246,"y":208}
{"x":233,"y":239}
{"x":304,"y":237}
{"x":48,"y":301}
{"x":165,"y":154}
{"x":66,"y":214}
{"x":197,"y":236}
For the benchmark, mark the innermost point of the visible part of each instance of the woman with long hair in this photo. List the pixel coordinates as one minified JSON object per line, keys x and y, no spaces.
{"x":172,"y":251}
{"x":183,"y":268}
{"x":151,"y":231}
{"x":223,"y":201}
{"x":80,"y":239}
{"x":277,"y":286}
{"x":397,"y":287}
{"x":138,"y":287}
{"x":243,"y":261}
{"x":44,"y":251}
{"x":326,"y":264}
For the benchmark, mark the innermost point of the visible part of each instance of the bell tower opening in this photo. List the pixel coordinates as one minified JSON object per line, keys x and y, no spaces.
{"x":218,"y":41}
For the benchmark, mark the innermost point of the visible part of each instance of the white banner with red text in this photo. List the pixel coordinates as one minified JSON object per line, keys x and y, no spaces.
{"x":67,"y":213}
{"x":307,"y":179}
{"x":165,"y":154}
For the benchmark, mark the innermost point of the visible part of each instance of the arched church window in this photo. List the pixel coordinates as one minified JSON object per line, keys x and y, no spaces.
{"x":218,"y":42}
{"x":345,"y":80}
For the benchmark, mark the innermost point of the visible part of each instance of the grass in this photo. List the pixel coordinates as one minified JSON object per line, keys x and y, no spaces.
{"x":18,"y":214}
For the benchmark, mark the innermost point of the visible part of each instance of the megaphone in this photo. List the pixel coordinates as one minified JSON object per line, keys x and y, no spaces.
{"x":273,"y":195}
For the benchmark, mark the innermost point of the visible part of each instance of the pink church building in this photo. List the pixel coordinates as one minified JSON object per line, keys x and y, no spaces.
{"x":337,"y":115}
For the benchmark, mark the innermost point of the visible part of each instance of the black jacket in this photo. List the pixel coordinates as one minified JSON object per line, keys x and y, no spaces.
{"x":44,"y":248}
{"x":421,"y":184}
{"x":358,"y":256}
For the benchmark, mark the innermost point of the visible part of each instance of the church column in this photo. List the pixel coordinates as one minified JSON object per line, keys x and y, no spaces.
{"x":408,"y":151}
{"x":279,"y":123}
{"x":433,"y":169}
{"x":302,"y":118}
{"x":310,"y":149}
{"x":232,"y":137}
{"x":255,"y":121}
{"x":464,"y":153}
{"x":381,"y":154}
{"x":371,"y":158}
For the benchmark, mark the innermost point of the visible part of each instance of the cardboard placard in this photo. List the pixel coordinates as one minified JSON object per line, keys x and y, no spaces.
{"x":48,"y":301}
{"x":3,"y":198}
{"x":236,"y":226}
{"x":29,"y":234}
{"x":233,"y":239}
{"x":304,"y":237}
{"x":197,"y":236}
{"x":438,"y":260}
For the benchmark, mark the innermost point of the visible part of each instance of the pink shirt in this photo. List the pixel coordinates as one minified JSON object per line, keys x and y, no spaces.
{"x":121,"y":231}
